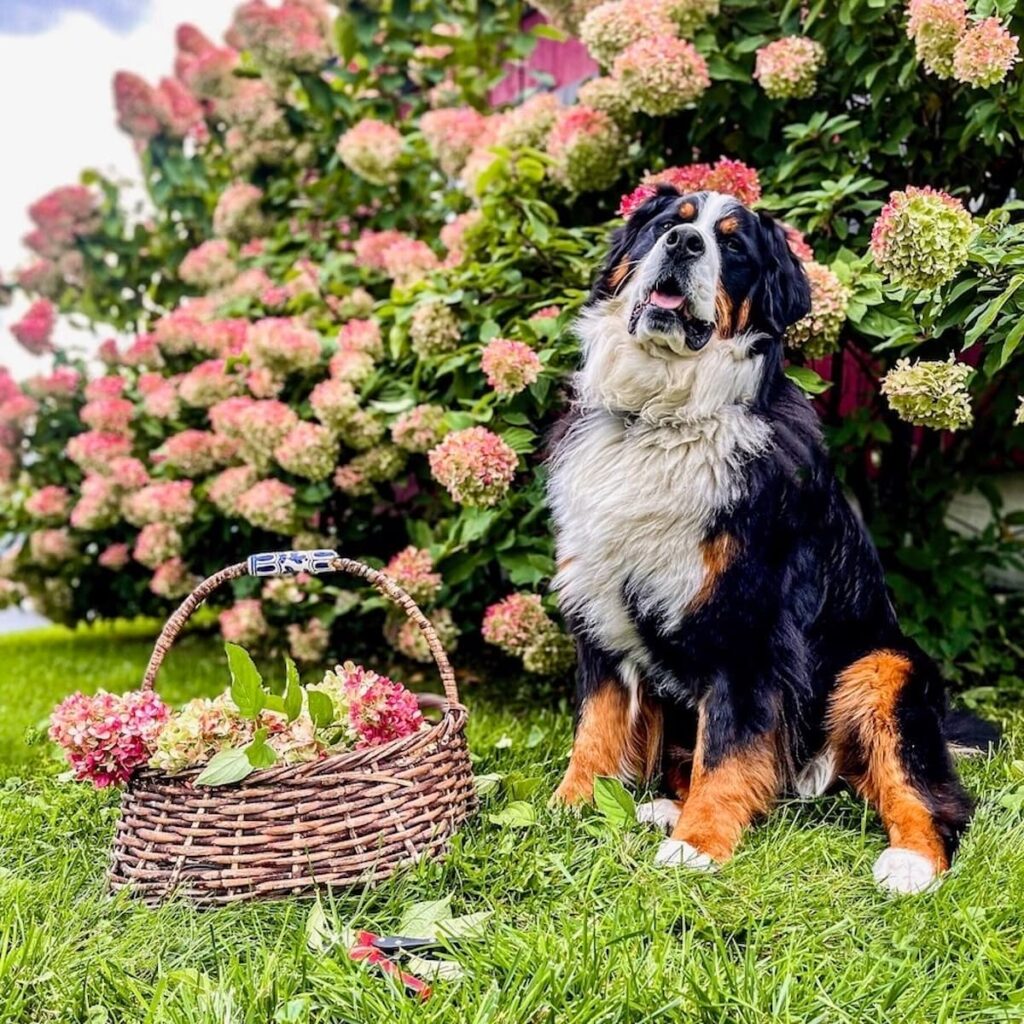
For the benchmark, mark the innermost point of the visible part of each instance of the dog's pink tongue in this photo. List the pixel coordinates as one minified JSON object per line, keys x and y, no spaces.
{"x":664,"y":301}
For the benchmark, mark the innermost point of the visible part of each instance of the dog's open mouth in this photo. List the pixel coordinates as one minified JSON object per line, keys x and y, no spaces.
{"x":670,"y":307}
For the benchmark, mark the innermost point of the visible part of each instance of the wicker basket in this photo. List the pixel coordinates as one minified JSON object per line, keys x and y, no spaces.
{"x":348,"y":819}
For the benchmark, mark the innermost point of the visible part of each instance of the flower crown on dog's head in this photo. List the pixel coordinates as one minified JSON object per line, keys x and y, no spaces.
{"x":732,"y":177}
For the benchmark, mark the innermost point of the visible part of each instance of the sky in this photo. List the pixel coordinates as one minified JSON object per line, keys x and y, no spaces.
{"x":57,"y":60}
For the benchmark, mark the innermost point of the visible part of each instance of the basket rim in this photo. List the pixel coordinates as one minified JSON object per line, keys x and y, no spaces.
{"x":452,"y":721}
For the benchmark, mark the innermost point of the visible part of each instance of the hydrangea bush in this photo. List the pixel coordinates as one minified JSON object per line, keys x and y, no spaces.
{"x":345,"y":320}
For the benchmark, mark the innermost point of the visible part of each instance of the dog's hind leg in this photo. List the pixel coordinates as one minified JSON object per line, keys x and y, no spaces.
{"x":618,"y":734}
{"x":884,"y":724}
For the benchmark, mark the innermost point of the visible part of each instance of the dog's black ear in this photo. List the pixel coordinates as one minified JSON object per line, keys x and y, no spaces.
{"x":616,"y":268}
{"x":783,"y":294}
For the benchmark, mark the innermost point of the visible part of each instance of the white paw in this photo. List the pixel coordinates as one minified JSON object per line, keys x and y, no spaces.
{"x":675,"y":853}
{"x":904,"y":871}
{"x":661,"y":813}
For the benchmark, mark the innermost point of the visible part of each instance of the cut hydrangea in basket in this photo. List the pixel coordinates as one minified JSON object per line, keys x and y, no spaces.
{"x":109,"y":737}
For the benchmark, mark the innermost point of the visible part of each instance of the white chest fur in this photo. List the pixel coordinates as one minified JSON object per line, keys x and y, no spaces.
{"x":658,"y":451}
{"x":632,"y":504}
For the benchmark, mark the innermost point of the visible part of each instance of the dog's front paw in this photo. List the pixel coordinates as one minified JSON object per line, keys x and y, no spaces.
{"x":572,"y":792}
{"x":677,"y":853}
{"x":660,"y":813}
{"x":904,"y":871}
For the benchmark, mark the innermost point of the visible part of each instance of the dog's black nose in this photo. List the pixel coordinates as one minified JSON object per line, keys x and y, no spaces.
{"x":686,"y":239}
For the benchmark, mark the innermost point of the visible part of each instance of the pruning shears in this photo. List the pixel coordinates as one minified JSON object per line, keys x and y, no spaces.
{"x":380,"y":950}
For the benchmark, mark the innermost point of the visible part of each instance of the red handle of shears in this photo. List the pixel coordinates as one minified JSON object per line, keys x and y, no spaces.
{"x":365,"y":951}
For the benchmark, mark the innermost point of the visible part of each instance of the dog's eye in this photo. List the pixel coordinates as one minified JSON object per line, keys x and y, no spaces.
{"x":733,"y":245}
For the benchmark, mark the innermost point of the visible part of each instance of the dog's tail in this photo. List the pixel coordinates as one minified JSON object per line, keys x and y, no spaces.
{"x":969,"y":735}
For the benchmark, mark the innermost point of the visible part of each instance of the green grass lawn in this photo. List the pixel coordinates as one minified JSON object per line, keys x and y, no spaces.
{"x":583,"y":927}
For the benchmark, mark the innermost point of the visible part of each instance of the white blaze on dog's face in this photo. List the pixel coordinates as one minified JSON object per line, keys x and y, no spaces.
{"x":695,"y":286}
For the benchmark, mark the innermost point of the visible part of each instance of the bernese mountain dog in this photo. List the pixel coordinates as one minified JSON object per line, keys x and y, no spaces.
{"x":734,"y":630}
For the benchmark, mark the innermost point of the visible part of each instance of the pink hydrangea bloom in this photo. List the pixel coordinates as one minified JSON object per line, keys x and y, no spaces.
{"x":334,"y":403}
{"x":136,"y":103}
{"x":262,"y":382}
{"x":243,"y":623}
{"x":474,"y":465}
{"x":156,"y":543}
{"x":372,"y":150}
{"x":453,"y":235}
{"x":108,"y":386}
{"x":108,"y":352}
{"x":51,"y":548}
{"x":237,"y":214}
{"x":114,"y":556}
{"x":379,"y":709}
{"x":308,"y":643}
{"x":209,"y":265}
{"x":264,"y":425}
{"x":107,"y":737}
{"x":98,"y":506}
{"x":62,"y":383}
{"x":179,"y":112}
{"x":451,"y":134}
{"x":94,"y":450}
{"x":419,"y":429}
{"x":172,"y":579}
{"x":42,"y":277}
{"x":160,"y":396}
{"x":34,"y":330}
{"x":195,"y":452}
{"x":986,"y":54}
{"x":610,"y":27}
{"x":143,"y":352}
{"x":788,"y":68}
{"x":177,"y":332}
{"x":49,"y":504}
{"x":732,"y":177}
{"x":209,"y":383}
{"x":409,"y":260}
{"x":283,"y":345}
{"x":128,"y":473}
{"x":167,"y":502}
{"x":61,"y":216}
{"x":510,"y":366}
{"x":362,"y":336}
{"x":936,"y":26}
{"x":349,"y":364}
{"x":515,"y":622}
{"x":586,"y":147}
{"x":291,"y":37}
{"x":661,"y":74}
{"x":413,"y":570}
{"x":370,"y":247}
{"x":270,"y":505}
{"x":108,"y":415}
{"x":18,"y":410}
{"x":229,"y":485}
{"x":227,"y":417}
{"x":308,"y":450}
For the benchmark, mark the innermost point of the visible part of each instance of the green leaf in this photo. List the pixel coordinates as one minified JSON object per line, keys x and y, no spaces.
{"x":984,"y":321}
{"x":246,"y":681}
{"x":420,"y":919}
{"x":486,"y":784}
{"x":292,"y":690}
{"x":614,"y":803}
{"x":259,"y":752}
{"x":321,"y":708}
{"x":518,"y":814}
{"x":434,"y":970}
{"x":468,"y":926}
{"x":228,"y":766}
{"x":807,"y":380}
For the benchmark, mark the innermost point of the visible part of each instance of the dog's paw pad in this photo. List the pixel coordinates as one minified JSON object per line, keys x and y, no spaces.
{"x":676,"y":853}
{"x":904,"y":871}
{"x":661,"y":813}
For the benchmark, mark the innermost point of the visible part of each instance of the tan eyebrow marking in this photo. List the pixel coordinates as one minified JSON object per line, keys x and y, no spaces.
{"x":687,"y":210}
{"x":618,"y":275}
{"x":728,"y":225}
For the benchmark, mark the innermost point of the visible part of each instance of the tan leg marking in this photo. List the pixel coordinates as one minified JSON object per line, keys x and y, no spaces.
{"x":725,"y":799}
{"x":862,"y":727}
{"x":612,"y":739}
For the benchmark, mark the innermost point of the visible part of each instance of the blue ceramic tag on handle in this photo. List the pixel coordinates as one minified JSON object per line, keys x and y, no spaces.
{"x":289,"y":563}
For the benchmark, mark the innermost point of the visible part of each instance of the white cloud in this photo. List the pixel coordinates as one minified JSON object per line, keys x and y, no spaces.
{"x":59,"y":119}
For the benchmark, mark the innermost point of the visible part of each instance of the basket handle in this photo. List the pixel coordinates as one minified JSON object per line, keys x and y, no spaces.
{"x":289,"y":563}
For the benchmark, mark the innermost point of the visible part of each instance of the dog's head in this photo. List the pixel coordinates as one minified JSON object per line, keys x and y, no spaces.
{"x":688,"y":270}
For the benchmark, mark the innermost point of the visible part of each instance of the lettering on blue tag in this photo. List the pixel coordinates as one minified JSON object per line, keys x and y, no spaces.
{"x":290,"y":563}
